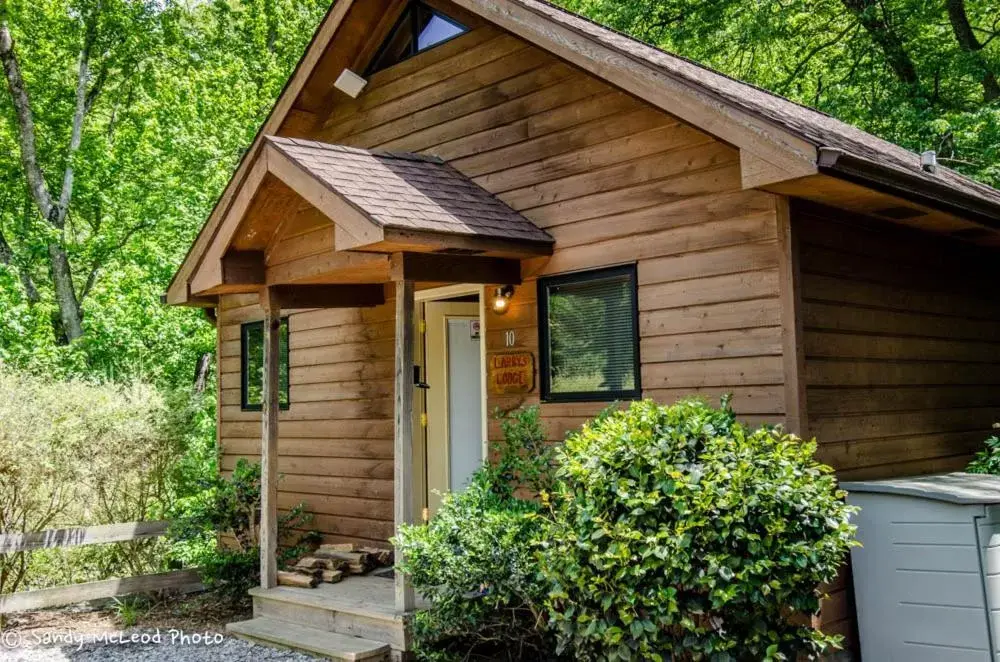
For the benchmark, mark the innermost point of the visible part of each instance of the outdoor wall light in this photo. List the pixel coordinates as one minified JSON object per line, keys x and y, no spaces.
{"x":501,"y":299}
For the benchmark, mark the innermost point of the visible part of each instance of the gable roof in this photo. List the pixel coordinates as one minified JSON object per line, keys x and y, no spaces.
{"x":409,"y":191}
{"x":778,"y":140}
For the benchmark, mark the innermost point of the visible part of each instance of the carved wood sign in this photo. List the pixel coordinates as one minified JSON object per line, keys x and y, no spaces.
{"x":512,"y":372}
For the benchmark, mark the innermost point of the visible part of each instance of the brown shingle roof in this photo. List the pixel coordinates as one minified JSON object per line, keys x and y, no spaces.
{"x":409,"y":191}
{"x":816,"y":127}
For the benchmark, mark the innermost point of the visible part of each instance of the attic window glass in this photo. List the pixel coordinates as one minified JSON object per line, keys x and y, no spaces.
{"x":418,"y":29}
{"x":589,"y":336}
{"x":252,"y":366}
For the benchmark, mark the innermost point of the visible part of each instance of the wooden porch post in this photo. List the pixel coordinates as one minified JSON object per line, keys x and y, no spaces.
{"x":403,"y":448}
{"x":269,"y":440}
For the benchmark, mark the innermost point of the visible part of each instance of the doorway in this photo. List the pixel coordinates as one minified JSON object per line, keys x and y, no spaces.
{"x":453,"y":421}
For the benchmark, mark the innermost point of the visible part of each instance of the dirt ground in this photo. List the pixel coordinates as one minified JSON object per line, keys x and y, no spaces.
{"x":197,"y":612}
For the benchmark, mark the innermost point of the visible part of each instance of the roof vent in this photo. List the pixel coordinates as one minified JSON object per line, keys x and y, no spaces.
{"x":928,"y":161}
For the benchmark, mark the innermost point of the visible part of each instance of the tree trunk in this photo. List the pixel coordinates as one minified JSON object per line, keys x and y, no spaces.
{"x":62,"y":280}
{"x":201,"y":372}
{"x":968,"y":42}
{"x":882,"y":33}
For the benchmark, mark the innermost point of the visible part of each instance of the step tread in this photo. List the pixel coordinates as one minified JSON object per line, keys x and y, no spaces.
{"x":356,"y":602}
{"x":330,"y":644}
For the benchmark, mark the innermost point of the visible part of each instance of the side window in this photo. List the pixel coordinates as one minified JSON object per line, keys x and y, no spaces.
{"x":252,"y":366}
{"x":589,"y":336}
{"x":419,"y":28}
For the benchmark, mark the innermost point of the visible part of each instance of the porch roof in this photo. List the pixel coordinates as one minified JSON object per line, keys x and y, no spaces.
{"x":409,"y":191}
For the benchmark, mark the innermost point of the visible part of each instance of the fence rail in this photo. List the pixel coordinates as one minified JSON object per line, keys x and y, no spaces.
{"x":181,"y":580}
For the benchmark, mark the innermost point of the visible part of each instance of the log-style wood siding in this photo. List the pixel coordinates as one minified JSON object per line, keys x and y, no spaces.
{"x":611,"y":178}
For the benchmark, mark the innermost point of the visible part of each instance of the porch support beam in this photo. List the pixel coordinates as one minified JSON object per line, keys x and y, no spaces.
{"x":437,"y":268}
{"x":328,"y":296}
{"x":269,"y":440}
{"x":403,"y":446}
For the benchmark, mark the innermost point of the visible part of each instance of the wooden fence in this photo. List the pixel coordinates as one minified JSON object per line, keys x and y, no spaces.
{"x":182,"y":580}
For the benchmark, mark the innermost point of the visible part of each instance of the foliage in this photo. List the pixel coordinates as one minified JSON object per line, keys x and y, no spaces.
{"x":218,"y":530}
{"x":987,"y":461}
{"x":481,"y":580}
{"x":677,"y":533}
{"x":522,"y":458}
{"x":905,"y":70}
{"x":181,"y":90}
{"x":77,"y":453}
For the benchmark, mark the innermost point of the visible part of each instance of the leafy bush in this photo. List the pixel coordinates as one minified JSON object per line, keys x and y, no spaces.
{"x":77,"y":453}
{"x":987,"y":461}
{"x":678,"y":534}
{"x":218,"y":530}
{"x":475,"y":560}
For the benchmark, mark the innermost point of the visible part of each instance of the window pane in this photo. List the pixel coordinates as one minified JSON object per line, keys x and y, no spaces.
{"x":253,"y":364}
{"x":418,"y":29}
{"x":591,"y":336}
{"x":436,"y":31}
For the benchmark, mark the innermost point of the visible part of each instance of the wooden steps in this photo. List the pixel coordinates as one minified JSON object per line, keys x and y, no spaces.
{"x":359,"y":607}
{"x":333,"y":645}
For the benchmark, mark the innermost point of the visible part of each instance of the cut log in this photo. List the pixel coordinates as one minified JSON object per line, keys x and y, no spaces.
{"x":295,"y":579}
{"x":358,"y":563}
{"x":382,"y":557}
{"x":321,"y":563}
{"x":308,"y":572}
{"x":332,"y":576}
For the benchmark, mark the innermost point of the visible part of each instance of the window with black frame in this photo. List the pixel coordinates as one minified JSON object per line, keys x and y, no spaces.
{"x":252,"y":366}
{"x":419,"y":28}
{"x":589,"y":335}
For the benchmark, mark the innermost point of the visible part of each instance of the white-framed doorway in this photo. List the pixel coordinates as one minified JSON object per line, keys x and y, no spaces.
{"x":450,"y":401}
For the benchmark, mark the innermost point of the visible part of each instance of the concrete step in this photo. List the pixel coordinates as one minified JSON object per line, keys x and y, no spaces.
{"x":333,"y":645}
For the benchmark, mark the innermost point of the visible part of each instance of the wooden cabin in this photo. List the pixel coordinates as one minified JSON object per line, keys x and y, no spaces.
{"x":463,"y":205}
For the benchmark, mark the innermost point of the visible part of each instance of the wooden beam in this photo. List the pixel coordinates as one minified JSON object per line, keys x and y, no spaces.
{"x":435,"y":268}
{"x":269,"y":440}
{"x":328,"y":296}
{"x":243,"y":268}
{"x":84,"y":535}
{"x":403,"y":446}
{"x":185,"y":581}
{"x":792,"y":335}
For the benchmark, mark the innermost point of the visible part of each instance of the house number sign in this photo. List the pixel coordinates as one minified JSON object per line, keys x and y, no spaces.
{"x":512,"y":372}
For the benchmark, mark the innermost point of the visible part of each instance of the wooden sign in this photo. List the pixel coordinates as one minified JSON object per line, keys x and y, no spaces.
{"x":512,"y":372}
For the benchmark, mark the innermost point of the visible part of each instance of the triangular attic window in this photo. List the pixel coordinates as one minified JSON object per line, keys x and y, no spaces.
{"x":418,"y":29}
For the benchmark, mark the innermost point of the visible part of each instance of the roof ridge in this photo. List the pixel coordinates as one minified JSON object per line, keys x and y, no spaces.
{"x":337,"y":147}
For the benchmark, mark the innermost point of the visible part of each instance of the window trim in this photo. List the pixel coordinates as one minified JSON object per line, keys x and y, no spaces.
{"x":370,"y":69}
{"x":244,"y":339}
{"x":575,"y":277}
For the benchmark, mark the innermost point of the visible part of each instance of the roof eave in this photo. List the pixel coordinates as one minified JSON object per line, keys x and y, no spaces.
{"x":843,"y":165}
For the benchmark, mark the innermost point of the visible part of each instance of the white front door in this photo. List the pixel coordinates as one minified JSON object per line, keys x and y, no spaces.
{"x":454,"y":397}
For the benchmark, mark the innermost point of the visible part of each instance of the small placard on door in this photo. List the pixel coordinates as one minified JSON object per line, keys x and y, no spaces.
{"x":474,"y":329}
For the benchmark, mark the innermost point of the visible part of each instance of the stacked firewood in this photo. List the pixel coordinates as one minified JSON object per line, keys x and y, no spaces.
{"x":329,"y":563}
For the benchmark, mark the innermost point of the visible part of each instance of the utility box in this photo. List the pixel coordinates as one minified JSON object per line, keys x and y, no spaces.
{"x":927,"y":579}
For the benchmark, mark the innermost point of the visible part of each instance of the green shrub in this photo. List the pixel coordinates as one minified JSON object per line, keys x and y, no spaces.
{"x":678,"y":534}
{"x":475,"y":560}
{"x":218,"y":531}
{"x":987,"y":461}
{"x":79,"y":453}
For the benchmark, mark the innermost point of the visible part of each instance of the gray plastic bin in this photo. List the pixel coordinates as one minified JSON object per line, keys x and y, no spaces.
{"x":927,"y":580}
